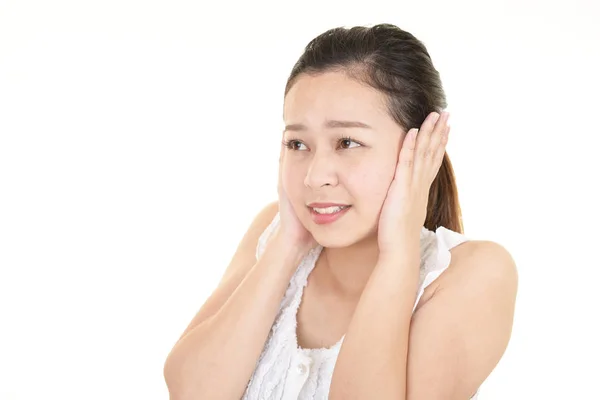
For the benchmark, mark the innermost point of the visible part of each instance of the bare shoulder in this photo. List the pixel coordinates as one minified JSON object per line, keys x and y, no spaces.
{"x":477,"y":264}
{"x":459,"y":335}
{"x":473,"y":264}
{"x":246,"y":250}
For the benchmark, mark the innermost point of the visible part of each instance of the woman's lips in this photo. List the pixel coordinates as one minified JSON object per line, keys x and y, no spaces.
{"x":328,"y":217}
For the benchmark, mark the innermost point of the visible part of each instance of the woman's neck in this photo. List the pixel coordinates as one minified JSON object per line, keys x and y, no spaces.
{"x":348,"y":268}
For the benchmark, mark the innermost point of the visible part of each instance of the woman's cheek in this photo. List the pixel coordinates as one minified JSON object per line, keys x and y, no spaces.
{"x":381,"y":185}
{"x":289,"y":187}
{"x":370,"y":189}
{"x":378,"y":177}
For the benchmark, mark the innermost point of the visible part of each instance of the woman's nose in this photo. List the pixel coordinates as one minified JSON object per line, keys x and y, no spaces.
{"x":321,"y":172}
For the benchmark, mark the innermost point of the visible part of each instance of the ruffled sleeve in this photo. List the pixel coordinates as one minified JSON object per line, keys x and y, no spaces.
{"x":435,"y":255}
{"x":264,"y":237}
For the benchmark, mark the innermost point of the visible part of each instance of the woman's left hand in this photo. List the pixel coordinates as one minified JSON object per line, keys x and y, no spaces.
{"x":405,"y":206}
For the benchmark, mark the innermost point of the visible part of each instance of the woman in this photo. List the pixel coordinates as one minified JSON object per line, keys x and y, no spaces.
{"x":358,"y":283}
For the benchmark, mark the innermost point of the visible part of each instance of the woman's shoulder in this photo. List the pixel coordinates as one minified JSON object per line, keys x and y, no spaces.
{"x":450,"y":258}
{"x":472,"y":260}
{"x":246,"y":249}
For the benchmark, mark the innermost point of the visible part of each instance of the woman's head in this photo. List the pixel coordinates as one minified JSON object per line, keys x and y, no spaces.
{"x":383,"y":78}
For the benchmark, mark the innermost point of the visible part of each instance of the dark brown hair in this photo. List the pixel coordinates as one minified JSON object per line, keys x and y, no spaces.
{"x":397,"y":64}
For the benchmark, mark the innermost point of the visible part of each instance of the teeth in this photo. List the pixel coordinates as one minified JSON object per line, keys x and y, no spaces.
{"x":329,"y":210}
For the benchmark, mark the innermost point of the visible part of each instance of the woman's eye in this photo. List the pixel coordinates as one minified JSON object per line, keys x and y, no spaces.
{"x":347,"y":143}
{"x":294,"y":145}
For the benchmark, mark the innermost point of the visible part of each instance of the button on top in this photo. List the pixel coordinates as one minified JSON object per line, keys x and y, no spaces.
{"x":302,"y":369}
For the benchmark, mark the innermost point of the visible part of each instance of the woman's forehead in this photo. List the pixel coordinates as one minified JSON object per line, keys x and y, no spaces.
{"x":332,"y":97}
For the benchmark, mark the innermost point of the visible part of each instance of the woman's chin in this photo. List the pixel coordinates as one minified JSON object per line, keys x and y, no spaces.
{"x":333,"y":244}
{"x":335,"y":240}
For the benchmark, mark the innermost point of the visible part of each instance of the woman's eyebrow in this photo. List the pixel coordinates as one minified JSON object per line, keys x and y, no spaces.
{"x":330,"y":124}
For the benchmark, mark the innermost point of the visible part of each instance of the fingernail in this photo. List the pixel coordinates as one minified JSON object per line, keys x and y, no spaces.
{"x":435,"y":117}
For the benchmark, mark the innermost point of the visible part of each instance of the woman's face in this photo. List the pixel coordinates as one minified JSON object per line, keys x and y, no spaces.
{"x":330,"y":161}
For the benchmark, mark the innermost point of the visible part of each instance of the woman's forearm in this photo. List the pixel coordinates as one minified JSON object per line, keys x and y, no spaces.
{"x":373,"y":359}
{"x":216,"y":358}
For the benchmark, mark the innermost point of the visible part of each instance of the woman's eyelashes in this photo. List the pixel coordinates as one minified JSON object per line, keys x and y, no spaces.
{"x":292,"y":144}
{"x":347,"y":142}
{"x":343,"y":143}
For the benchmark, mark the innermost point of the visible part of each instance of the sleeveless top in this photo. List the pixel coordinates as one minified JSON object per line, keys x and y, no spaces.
{"x":285,"y":371}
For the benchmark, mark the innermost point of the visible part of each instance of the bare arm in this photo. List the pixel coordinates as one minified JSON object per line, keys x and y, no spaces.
{"x":238,"y":268}
{"x":216,"y":357}
{"x":455,"y":339}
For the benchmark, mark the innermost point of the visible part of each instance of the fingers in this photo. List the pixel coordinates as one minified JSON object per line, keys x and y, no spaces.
{"x":439,"y":154}
{"x":431,"y":144}
{"x":427,"y":135}
{"x":437,"y":135}
{"x":406,"y":157}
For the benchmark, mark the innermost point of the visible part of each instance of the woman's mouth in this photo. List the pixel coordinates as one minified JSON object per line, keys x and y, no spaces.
{"x":326,"y":215}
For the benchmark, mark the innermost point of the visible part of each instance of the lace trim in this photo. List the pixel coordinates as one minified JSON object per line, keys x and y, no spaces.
{"x":274,"y":363}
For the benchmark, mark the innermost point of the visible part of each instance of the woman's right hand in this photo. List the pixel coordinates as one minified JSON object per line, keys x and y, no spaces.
{"x":290,"y":229}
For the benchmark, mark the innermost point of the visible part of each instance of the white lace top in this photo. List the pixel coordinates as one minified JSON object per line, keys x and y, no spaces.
{"x":285,"y":371}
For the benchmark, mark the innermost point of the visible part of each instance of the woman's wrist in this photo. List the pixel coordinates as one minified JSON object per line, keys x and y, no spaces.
{"x":286,"y":250}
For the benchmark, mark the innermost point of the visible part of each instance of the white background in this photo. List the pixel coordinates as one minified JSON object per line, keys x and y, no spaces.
{"x":138,"y":139}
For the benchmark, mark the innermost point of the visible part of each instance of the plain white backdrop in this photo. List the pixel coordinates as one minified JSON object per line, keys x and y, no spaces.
{"x":138,"y":139}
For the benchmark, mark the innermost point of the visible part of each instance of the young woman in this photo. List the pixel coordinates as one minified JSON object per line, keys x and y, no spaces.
{"x":358,"y":283}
